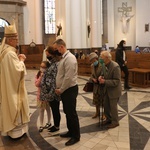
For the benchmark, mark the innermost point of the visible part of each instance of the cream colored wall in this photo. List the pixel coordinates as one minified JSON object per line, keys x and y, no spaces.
{"x":142,"y":18}
{"x":135,"y":36}
{"x":129,"y":36}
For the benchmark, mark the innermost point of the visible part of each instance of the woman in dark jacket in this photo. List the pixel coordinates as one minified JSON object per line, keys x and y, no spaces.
{"x":48,"y":86}
{"x":122,"y":61}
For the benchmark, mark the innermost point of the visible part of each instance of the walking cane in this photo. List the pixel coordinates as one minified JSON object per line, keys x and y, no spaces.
{"x":102,"y":107}
{"x":99,"y":116}
{"x":102,"y":88}
{"x":101,"y":112}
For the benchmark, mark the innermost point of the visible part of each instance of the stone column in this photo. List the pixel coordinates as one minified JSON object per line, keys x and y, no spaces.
{"x":77,"y":24}
{"x":73,"y":21}
{"x":38,"y":22}
{"x":96,"y":30}
{"x":110,"y":20}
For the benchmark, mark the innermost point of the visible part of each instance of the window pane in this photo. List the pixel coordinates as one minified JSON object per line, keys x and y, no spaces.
{"x":49,"y":9}
{"x":2,"y":25}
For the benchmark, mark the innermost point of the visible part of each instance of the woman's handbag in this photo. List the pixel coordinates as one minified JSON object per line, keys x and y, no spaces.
{"x":88,"y":87}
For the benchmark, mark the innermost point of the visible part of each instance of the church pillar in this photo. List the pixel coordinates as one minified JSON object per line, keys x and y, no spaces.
{"x":88,"y":23}
{"x":38,"y":20}
{"x":96,"y":24}
{"x":75,"y":24}
{"x":73,"y":21}
{"x":110,"y":21}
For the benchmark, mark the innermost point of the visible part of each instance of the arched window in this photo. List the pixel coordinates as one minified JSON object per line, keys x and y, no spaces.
{"x":3,"y":22}
{"x":49,"y":13}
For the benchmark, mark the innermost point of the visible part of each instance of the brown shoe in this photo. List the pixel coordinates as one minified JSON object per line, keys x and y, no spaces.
{"x":95,"y":116}
{"x":103,"y":118}
{"x":113,"y":125}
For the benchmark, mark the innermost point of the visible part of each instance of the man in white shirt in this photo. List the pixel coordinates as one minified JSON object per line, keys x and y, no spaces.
{"x":66,"y":83}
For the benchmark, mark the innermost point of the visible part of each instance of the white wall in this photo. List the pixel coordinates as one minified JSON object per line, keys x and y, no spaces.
{"x":135,"y":36}
{"x":142,"y":18}
{"x":129,"y":36}
{"x":110,"y":12}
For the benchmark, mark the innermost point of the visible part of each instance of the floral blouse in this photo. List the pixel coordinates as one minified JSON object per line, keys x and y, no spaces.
{"x":48,"y":83}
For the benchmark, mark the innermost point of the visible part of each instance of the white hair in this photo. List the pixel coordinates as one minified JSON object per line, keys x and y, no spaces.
{"x":106,"y":54}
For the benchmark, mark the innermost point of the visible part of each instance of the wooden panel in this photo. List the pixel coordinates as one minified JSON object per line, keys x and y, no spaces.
{"x":135,"y":60}
{"x":144,"y":64}
{"x":27,"y":49}
{"x":84,"y":67}
{"x":136,"y":63}
{"x":34,"y":55}
{"x":140,"y":77}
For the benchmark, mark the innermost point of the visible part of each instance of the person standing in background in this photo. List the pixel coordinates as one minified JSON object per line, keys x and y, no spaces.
{"x":81,"y":55}
{"x":14,"y":107}
{"x":67,"y":88}
{"x":137,"y":49}
{"x":122,"y":61}
{"x":76,"y":53}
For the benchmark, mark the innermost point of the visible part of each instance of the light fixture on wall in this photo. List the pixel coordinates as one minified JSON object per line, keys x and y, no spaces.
{"x":32,"y":44}
{"x":147,"y":27}
{"x":124,"y":39}
{"x":88,"y":28}
{"x":59,"y":31}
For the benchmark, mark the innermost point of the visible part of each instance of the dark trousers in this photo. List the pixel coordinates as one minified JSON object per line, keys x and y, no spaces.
{"x":69,"y":107}
{"x":126,"y":73}
{"x":55,"y":111}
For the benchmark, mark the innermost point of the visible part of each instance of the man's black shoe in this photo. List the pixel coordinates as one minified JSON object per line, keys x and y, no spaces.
{"x":113,"y":125}
{"x":65,"y":135}
{"x":127,"y":88}
{"x":72,"y":141}
{"x":106,"y":122}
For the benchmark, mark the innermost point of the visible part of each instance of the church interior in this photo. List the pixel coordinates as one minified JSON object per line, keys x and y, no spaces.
{"x":86,"y":26}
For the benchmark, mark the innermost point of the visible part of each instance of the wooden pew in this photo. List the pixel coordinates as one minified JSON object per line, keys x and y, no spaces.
{"x":139,"y":68}
{"x":140,"y":77}
{"x":84,"y":67}
{"x":138,"y":64}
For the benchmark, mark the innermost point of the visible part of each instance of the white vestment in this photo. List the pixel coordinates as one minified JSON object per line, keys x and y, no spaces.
{"x":14,"y":108}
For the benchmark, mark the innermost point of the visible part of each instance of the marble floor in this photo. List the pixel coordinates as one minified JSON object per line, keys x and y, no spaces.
{"x":132,"y":134}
